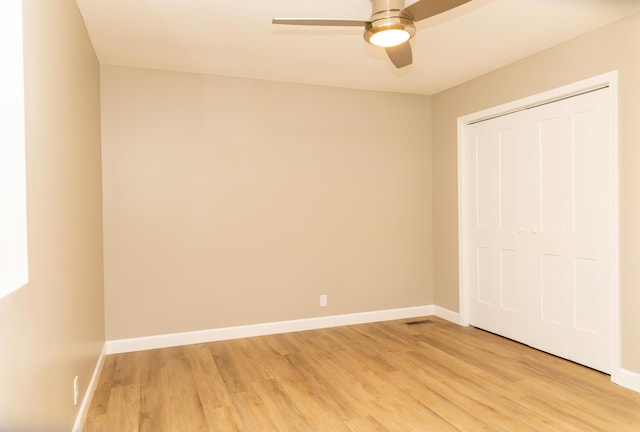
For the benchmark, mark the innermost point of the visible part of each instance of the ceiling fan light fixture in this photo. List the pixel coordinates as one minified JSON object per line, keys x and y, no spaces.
{"x":390,"y":32}
{"x":390,"y":26}
{"x":389,"y":37}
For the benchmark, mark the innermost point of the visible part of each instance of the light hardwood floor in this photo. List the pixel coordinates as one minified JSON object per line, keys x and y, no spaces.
{"x":386,"y":376}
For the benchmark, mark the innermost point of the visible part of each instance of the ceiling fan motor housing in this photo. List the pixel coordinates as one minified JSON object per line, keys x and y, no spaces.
{"x":388,"y":15}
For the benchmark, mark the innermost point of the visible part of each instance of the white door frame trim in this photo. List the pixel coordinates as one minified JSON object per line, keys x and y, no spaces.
{"x":609,"y":79}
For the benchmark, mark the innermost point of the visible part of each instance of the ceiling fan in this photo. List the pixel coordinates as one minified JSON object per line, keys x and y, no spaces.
{"x":390,"y":26}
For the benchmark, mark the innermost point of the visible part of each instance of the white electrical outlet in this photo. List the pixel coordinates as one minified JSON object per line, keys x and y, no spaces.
{"x":323,"y":300}
{"x":75,"y":390}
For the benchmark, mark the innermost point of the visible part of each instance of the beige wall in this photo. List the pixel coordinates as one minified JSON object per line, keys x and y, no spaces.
{"x":614,"y":47}
{"x":53,"y":328}
{"x":233,"y":201}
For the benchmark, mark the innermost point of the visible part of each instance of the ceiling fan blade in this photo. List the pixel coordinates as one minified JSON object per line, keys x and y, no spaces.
{"x":423,"y":9}
{"x":321,"y":22}
{"x":400,"y":55}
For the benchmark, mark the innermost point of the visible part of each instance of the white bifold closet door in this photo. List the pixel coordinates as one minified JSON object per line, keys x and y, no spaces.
{"x":540,"y":227}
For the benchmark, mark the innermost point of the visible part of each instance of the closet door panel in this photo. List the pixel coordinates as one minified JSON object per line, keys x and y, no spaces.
{"x":495,"y":156}
{"x":591,"y":286}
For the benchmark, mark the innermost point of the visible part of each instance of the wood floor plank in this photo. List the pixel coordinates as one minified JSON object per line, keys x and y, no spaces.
{"x":387,"y":377}
{"x":319,"y":383}
{"x":224,"y":419}
{"x":181,"y":401}
{"x":319,"y":410}
{"x":365,"y":424}
{"x":252,"y":412}
{"x":281,"y":408}
{"x":152,"y":416}
{"x":444,"y":407}
{"x":124,"y":408}
{"x":207,"y":378}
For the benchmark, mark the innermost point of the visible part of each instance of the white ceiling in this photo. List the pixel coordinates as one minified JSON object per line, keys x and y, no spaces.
{"x":236,"y":38}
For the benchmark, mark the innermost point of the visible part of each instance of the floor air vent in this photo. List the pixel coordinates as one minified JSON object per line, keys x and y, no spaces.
{"x":426,"y":321}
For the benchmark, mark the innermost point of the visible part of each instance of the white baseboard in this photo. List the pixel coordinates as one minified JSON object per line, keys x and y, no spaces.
{"x":88,"y":395}
{"x":626,"y":378}
{"x":446,"y":314}
{"x":212,"y":335}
